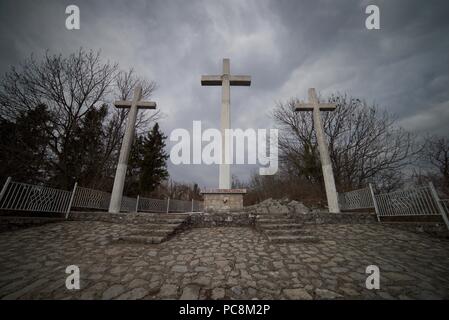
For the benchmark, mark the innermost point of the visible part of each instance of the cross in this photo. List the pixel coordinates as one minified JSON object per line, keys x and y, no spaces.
{"x":120,"y":174}
{"x":326,"y":164}
{"x":226,"y":80}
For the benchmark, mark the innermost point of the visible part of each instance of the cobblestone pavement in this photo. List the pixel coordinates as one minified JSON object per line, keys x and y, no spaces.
{"x":216,"y":263}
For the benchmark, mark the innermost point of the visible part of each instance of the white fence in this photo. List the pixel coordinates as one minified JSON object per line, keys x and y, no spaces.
{"x":152,"y":205}
{"x":26,"y":197}
{"x":357,"y":199}
{"x":128,"y":204}
{"x":180,"y":206}
{"x":411,"y":202}
{"x":197,"y":206}
{"x":420,"y":201}
{"x":445,"y":204}
{"x":91,"y":199}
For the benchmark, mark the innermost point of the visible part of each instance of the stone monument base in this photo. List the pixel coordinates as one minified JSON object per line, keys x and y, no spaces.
{"x":222,"y":200}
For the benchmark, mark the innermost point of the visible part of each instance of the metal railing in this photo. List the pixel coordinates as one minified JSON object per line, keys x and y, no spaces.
{"x":357,"y":199}
{"x":152,"y":205}
{"x":26,"y":197}
{"x":128,"y":204}
{"x":179,"y":205}
{"x":445,"y":204}
{"x":168,"y":205}
{"x":197,"y":206}
{"x":91,"y":199}
{"x":411,"y":202}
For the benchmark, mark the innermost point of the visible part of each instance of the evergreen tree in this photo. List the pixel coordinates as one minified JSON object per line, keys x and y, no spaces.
{"x":23,"y":145}
{"x":83,"y":151}
{"x":134,"y":170}
{"x":153,"y":164}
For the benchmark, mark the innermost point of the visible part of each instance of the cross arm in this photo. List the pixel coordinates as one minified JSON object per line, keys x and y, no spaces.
{"x":240,"y":80}
{"x":140,"y":104}
{"x":211,"y":80}
{"x":233,"y":80}
{"x":310,"y":106}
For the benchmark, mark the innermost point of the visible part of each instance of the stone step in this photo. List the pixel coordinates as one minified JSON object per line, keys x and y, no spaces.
{"x":157,"y":229}
{"x":168,"y":228}
{"x":155,"y":232}
{"x":288,"y":239}
{"x":280,"y":226}
{"x":272,"y":215}
{"x":283,"y":232}
{"x":158,"y":226}
{"x":142,"y":239}
{"x":163,"y":220}
{"x":275,"y":220}
{"x":165,"y":215}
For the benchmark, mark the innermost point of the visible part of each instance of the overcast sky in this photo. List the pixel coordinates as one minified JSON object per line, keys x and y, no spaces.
{"x":286,"y":46}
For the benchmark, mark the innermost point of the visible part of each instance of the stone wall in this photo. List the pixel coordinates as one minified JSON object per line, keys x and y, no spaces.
{"x":335,"y":218}
{"x":303,"y":214}
{"x":204,"y":219}
{"x":131,"y":218}
{"x":221,"y":219}
{"x":201,"y":219}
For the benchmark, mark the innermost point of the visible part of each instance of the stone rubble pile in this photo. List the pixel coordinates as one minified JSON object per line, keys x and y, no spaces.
{"x":276,"y":220}
{"x":278,"y":206}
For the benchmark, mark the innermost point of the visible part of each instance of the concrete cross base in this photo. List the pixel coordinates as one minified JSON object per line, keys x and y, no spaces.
{"x":222,"y":200}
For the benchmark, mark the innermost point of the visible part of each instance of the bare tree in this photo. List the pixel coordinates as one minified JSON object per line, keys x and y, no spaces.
{"x":435,"y":162}
{"x":70,"y":87}
{"x":364,"y":144}
{"x":282,"y":185}
{"x":176,"y":190}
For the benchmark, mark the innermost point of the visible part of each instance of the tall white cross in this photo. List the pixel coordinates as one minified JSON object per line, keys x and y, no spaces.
{"x":120,"y":174}
{"x":226,"y":80}
{"x":326,"y":164}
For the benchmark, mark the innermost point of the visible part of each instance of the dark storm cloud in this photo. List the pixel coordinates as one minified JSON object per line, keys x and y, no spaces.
{"x":286,"y":46}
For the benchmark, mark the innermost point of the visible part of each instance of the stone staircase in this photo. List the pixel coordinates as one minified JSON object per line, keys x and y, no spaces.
{"x":158,"y":227}
{"x":282,"y":228}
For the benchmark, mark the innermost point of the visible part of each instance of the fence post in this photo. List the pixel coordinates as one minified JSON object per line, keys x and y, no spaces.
{"x":5,"y":186}
{"x":376,"y":209}
{"x":168,"y":204}
{"x":137,"y":204}
{"x":71,"y":200}
{"x":439,"y":205}
{"x":192,"y":205}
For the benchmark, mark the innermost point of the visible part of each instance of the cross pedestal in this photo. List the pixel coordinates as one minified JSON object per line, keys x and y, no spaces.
{"x":223,"y":200}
